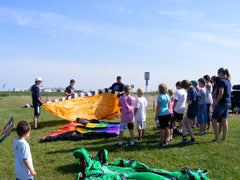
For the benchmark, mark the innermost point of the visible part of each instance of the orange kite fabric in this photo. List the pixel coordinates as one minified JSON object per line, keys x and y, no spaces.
{"x":93,"y":105}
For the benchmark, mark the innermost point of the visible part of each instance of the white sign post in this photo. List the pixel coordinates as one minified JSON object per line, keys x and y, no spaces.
{"x":146,"y":77}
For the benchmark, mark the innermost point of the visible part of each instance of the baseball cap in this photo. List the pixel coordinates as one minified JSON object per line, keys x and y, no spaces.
{"x":38,"y":79}
{"x":194,"y":82}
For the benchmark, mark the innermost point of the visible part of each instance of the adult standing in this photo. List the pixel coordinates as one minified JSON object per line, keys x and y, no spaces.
{"x":118,"y":86}
{"x":70,"y":89}
{"x":36,"y":101}
{"x":209,"y":100}
{"x":223,"y":103}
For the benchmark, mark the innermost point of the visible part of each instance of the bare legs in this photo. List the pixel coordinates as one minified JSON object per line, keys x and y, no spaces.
{"x":187,"y":125}
{"x":223,"y":126}
{"x":131,"y":135}
{"x":35,"y":120}
{"x":163,"y":135}
{"x":141,"y":133}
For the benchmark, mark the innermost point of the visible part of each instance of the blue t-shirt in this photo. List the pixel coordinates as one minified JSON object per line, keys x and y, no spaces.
{"x":192,"y":95}
{"x":35,"y":95}
{"x":164,"y":99}
{"x":226,"y":85}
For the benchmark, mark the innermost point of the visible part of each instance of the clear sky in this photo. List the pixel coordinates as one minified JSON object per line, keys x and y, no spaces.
{"x":94,"y":41}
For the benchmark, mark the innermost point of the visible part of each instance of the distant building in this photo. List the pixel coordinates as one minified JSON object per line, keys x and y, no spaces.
{"x":21,"y":89}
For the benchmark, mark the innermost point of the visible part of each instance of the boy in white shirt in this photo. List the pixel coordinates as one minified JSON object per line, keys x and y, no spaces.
{"x":23,"y":158}
{"x":140,"y":113}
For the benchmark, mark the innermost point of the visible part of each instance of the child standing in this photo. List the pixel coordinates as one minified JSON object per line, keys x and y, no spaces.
{"x":23,"y":158}
{"x":126,"y":103}
{"x":171,"y":95}
{"x":140,"y":113}
{"x":180,"y":97}
{"x":162,"y":114}
{"x":202,"y":111}
{"x":192,"y":100}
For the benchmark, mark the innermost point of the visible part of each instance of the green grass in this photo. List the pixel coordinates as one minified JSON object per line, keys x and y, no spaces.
{"x":54,"y":160}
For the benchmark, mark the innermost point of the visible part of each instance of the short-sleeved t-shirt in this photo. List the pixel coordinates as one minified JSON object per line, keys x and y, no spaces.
{"x":127,"y":112}
{"x":226,"y":85}
{"x":117,"y":87}
{"x":209,"y":99}
{"x":35,"y":95}
{"x":164,"y":99}
{"x":192,"y":95}
{"x":22,"y":151}
{"x":180,"y":96}
{"x":69,"y":89}
{"x":202,"y":96}
{"x":141,"y":105}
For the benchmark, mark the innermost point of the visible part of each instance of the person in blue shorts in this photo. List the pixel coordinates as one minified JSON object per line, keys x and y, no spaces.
{"x":223,"y":104}
{"x":36,"y":101}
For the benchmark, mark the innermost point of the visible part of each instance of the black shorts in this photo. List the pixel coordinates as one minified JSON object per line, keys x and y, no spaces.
{"x":178,"y":117}
{"x":164,"y":121}
{"x":130,"y":126}
{"x":36,"y":110}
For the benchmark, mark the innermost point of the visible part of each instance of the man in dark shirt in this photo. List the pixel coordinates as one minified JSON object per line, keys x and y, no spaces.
{"x":70,"y":89}
{"x":118,"y":86}
{"x":36,"y":101}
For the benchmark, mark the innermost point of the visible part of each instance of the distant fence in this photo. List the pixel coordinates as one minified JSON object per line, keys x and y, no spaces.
{"x":16,"y":93}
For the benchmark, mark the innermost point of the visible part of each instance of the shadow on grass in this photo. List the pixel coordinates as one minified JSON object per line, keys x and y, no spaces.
{"x":52,"y":123}
{"x":68,"y":169}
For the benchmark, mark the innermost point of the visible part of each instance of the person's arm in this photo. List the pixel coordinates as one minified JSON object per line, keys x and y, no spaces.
{"x":39,"y":99}
{"x":157,"y":110}
{"x":174,"y":103}
{"x":220,"y":94}
{"x":69,"y":94}
{"x":135,"y":110}
{"x":27,"y":164}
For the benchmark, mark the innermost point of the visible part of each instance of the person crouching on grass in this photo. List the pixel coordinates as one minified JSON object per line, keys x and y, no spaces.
{"x":192,"y":100}
{"x":23,"y":158}
{"x":140,"y":113}
{"x":126,"y":103}
{"x":162,"y":114}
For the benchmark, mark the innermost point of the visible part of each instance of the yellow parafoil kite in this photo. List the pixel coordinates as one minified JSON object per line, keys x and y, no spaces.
{"x":93,"y":105}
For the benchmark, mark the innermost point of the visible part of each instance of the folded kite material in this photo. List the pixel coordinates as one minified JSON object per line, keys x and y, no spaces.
{"x":93,"y":105}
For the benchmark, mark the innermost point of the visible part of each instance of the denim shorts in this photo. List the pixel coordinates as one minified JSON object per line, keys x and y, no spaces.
{"x":202,"y":114}
{"x":221,"y":111}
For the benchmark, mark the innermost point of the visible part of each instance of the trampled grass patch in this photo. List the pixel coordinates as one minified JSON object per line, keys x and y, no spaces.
{"x":54,"y":160}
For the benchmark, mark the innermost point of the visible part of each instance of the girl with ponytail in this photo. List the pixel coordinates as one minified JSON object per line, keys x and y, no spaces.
{"x":223,"y":103}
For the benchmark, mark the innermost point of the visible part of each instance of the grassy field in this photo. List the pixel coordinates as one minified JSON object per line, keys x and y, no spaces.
{"x":54,"y":160}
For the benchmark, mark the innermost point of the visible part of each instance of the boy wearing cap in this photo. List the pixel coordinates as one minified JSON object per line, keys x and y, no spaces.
{"x":36,"y":101}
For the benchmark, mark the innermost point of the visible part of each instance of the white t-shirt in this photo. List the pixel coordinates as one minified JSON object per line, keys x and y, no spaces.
{"x":180,"y":96}
{"x":22,"y":151}
{"x":141,"y":104}
{"x":209,"y":99}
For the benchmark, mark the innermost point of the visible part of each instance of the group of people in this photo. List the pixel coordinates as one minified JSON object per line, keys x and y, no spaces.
{"x":214,"y":93}
{"x":170,"y":108}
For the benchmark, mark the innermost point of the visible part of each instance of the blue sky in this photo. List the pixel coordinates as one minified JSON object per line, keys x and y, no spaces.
{"x":93,"y":41}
